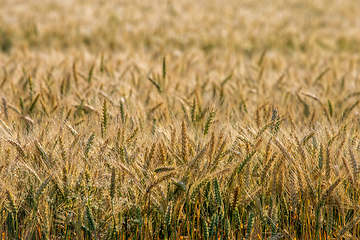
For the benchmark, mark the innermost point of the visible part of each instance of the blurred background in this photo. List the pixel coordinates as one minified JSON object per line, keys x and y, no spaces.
{"x":225,"y":26}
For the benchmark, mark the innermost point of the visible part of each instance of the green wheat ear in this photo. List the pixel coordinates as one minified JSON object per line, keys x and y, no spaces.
{"x":245,"y":161}
{"x":89,"y":144}
{"x":90,"y":73}
{"x":227,"y":228}
{"x":42,"y":187}
{"x":18,"y":147}
{"x":33,"y":103}
{"x":89,"y":218}
{"x":205,"y":230}
{"x":167,"y":218}
{"x":5,"y":108}
{"x":208,"y":122}
{"x":122,"y":112}
{"x":139,"y":219}
{"x":31,"y":88}
{"x":250,"y":224}
{"x":198,"y":188}
{"x":217,"y":192}
{"x":237,"y":218}
{"x":155,"y":84}
{"x":75,"y":74}
{"x":213,"y":225}
{"x":154,"y":125}
{"x":184,"y":143}
{"x":330,"y":108}
{"x":193,"y":111}
{"x":102,"y":63}
{"x":133,"y":134}
{"x":41,"y":151}
{"x":11,"y":201}
{"x":112,"y":184}
{"x":105,"y":119}
{"x":164,"y":68}
{"x":65,"y":181}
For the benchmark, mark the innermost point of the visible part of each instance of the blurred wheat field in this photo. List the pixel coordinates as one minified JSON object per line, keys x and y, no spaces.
{"x":179,"y":119}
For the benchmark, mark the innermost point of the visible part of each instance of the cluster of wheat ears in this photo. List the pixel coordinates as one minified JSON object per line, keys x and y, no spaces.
{"x":241,"y":127}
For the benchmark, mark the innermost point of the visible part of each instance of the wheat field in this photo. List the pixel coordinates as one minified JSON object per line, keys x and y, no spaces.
{"x":180,"y":119}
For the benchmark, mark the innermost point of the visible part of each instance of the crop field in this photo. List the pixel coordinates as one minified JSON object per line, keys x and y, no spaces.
{"x":209,"y":119}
